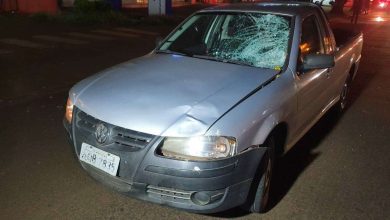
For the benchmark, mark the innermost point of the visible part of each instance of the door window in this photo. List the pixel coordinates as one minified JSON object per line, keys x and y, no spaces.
{"x":311,"y":41}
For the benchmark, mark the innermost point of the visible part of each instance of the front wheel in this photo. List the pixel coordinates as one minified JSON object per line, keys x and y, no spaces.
{"x":259,"y":201}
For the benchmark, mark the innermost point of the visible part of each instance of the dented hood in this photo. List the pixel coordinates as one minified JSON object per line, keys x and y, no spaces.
{"x":165,"y":94}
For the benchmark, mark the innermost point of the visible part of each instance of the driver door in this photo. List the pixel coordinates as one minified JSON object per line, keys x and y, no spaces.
{"x":312,"y":84}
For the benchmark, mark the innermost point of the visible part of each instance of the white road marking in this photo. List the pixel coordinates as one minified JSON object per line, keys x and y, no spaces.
{"x":22,"y":43}
{"x":115,"y":33}
{"x":59,"y":39}
{"x":137,"y":31}
{"x":89,"y":36}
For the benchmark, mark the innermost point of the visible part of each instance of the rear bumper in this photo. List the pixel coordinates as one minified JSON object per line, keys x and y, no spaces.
{"x":202,"y":187}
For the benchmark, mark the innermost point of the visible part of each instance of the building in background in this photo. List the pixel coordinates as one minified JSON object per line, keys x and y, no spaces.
{"x":159,"y":7}
{"x":144,"y":3}
{"x":29,"y":6}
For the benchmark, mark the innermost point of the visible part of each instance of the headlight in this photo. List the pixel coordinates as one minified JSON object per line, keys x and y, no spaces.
{"x":199,"y":148}
{"x":69,"y":111}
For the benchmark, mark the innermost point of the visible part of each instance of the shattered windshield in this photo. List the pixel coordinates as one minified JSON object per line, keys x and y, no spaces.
{"x":246,"y":38}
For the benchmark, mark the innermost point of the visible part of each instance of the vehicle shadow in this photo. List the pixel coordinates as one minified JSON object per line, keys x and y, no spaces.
{"x":298,"y":158}
{"x":293,"y":163}
{"x":363,"y":78}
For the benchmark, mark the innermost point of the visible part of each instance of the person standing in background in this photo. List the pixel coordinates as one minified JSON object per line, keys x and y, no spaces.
{"x":366,"y":6}
{"x":356,"y":8}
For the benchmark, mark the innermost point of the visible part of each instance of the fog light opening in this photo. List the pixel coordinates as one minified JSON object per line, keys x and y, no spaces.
{"x":201,"y":198}
{"x":207,"y":197}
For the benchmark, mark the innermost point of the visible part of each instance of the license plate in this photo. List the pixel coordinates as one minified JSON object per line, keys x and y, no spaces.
{"x":100,"y":159}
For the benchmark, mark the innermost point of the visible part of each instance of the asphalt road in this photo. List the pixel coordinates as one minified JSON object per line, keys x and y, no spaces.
{"x":339,"y":170}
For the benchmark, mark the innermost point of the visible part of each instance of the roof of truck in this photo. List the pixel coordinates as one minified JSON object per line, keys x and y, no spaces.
{"x":282,"y":7}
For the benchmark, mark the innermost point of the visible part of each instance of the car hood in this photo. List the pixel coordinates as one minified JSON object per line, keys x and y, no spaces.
{"x":165,"y":94}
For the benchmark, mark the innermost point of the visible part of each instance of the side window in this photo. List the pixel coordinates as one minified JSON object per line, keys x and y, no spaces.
{"x":328,"y":37}
{"x":311,"y":41}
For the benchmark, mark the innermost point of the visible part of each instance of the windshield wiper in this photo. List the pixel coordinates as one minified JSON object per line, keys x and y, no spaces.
{"x":222,"y":60}
{"x":173,"y":52}
{"x":239,"y":62}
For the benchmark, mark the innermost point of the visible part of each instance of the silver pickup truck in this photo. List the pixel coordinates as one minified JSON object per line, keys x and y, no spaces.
{"x":197,"y":123}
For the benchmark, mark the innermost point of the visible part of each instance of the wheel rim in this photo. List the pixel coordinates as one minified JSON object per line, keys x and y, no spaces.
{"x":267,"y":181}
{"x":343,"y":97}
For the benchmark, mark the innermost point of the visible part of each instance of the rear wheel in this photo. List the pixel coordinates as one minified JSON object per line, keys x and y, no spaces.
{"x":258,"y":202}
{"x":344,"y":95}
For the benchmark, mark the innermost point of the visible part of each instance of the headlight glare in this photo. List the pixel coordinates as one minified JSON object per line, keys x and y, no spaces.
{"x":199,"y":148}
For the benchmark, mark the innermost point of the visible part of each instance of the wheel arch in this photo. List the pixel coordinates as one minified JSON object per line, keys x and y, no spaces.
{"x":352,"y":71}
{"x":280,"y":132}
{"x":278,"y":128}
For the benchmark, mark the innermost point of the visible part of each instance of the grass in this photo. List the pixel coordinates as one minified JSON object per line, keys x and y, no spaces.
{"x":85,"y":18}
{"x":104,"y":17}
{"x":97,"y":12}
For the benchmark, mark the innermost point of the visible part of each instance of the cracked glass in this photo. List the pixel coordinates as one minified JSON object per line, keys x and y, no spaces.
{"x":245,"y":38}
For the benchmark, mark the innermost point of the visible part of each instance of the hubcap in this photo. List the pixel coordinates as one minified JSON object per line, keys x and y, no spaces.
{"x":267,"y":181}
{"x":343,"y":101}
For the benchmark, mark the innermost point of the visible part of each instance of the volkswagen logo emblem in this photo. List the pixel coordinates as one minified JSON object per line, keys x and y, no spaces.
{"x":102,"y":133}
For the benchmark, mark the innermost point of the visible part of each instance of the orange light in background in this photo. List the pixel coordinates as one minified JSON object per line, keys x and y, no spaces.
{"x":379,"y":19}
{"x":304,"y":47}
{"x":327,"y":42}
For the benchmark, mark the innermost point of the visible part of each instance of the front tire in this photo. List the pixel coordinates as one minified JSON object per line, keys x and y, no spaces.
{"x":258,"y":203}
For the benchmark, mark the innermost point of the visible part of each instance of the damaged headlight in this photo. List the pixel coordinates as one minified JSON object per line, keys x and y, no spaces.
{"x":199,"y":148}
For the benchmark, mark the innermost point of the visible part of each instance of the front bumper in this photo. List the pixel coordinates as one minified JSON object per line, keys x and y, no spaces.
{"x":203,"y":187}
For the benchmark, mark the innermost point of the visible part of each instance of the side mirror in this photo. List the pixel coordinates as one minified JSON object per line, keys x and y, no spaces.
{"x":317,"y":61}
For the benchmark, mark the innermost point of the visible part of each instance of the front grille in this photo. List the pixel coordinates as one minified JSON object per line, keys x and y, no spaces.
{"x":132,"y":140}
{"x":169,"y":194}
